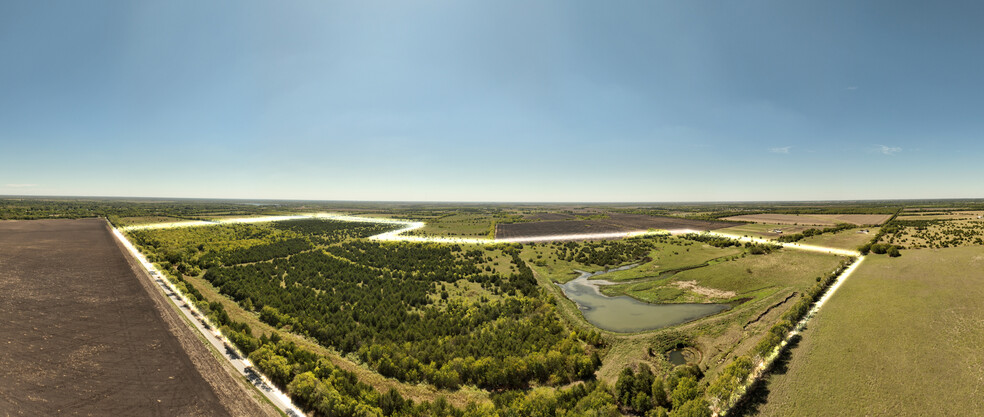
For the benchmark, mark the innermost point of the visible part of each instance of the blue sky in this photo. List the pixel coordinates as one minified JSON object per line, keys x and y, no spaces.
{"x":493,"y":101}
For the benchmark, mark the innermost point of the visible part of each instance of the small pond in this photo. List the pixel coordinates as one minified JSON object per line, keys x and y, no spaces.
{"x":625,"y":314}
{"x":676,"y":357}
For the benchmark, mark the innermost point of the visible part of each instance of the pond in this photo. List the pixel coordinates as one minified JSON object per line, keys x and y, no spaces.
{"x":625,"y":314}
{"x":676,"y":357}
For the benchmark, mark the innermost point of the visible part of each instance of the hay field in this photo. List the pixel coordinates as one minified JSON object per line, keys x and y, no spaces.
{"x":903,"y":337}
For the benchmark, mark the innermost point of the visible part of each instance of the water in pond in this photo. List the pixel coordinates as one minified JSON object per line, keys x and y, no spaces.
{"x":676,"y":357}
{"x":625,"y":314}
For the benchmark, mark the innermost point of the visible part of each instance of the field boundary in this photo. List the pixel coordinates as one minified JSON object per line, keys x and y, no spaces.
{"x":765,"y":365}
{"x":202,"y":325}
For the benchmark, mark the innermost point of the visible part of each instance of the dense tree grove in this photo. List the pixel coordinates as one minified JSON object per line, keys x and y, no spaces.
{"x":716,"y":241}
{"x":680,"y":394}
{"x":606,"y":252}
{"x":265,"y":252}
{"x":74,"y":208}
{"x":322,"y":232}
{"x":374,"y":299}
{"x":796,"y":237}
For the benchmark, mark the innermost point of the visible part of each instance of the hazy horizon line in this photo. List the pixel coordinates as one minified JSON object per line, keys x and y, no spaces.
{"x":620,"y":202}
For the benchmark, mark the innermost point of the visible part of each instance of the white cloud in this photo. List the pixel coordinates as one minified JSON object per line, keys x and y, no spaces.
{"x":20,"y":185}
{"x":783,"y":149}
{"x":852,"y":88}
{"x":888,"y":150}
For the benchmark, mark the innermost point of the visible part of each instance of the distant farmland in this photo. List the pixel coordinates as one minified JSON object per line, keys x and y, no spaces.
{"x":813,"y":219}
{"x":82,"y":334}
{"x":616,"y":223}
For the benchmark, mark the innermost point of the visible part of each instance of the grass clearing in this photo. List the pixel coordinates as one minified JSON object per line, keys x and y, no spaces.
{"x":901,"y":337}
{"x":844,"y":239}
{"x":750,"y":276}
{"x":674,"y":254}
{"x":458,"y":225}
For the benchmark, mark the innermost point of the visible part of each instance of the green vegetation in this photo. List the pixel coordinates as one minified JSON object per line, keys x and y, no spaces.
{"x":796,"y":237}
{"x":735,"y":278}
{"x":901,"y":337}
{"x":939,"y":233}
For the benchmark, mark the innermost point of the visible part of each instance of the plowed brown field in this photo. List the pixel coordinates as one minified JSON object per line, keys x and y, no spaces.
{"x":80,"y":334}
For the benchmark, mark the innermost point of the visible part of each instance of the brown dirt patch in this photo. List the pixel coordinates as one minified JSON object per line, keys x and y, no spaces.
{"x":706,"y":292}
{"x":81,"y":334}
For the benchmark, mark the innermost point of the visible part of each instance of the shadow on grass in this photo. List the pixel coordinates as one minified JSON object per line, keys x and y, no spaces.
{"x":758,"y":393}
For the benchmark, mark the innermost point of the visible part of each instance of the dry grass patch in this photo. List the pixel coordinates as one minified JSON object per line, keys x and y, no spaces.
{"x":901,"y":337}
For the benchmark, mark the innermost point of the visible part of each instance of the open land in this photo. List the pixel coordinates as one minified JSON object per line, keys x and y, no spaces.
{"x":82,"y":334}
{"x":813,"y":219}
{"x":615,"y":223}
{"x":934,"y":233}
{"x":289,"y":281}
{"x":901,"y":337}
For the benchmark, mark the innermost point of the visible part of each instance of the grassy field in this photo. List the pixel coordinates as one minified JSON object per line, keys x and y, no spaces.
{"x":903,"y":336}
{"x":844,"y":239}
{"x":674,"y":254}
{"x":459,"y":225}
{"x":751,"y":276}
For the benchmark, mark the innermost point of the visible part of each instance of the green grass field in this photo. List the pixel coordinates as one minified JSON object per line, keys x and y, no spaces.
{"x":672,"y":255}
{"x":903,"y":336}
{"x":844,"y":239}
{"x":752,"y":276}
{"x":458,"y":225}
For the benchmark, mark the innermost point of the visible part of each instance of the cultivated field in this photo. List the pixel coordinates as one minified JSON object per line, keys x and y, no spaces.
{"x":549,"y":216}
{"x":813,"y":219}
{"x":902,"y":336}
{"x":615,"y":223}
{"x":81,"y":333}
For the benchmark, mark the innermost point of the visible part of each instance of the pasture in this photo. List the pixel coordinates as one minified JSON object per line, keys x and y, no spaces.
{"x":901,"y":337}
{"x":747,"y":276}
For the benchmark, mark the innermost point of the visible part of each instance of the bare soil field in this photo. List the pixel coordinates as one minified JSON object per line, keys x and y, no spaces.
{"x":81,"y":334}
{"x":813,"y":219}
{"x":616,"y":223}
{"x":548,"y":216}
